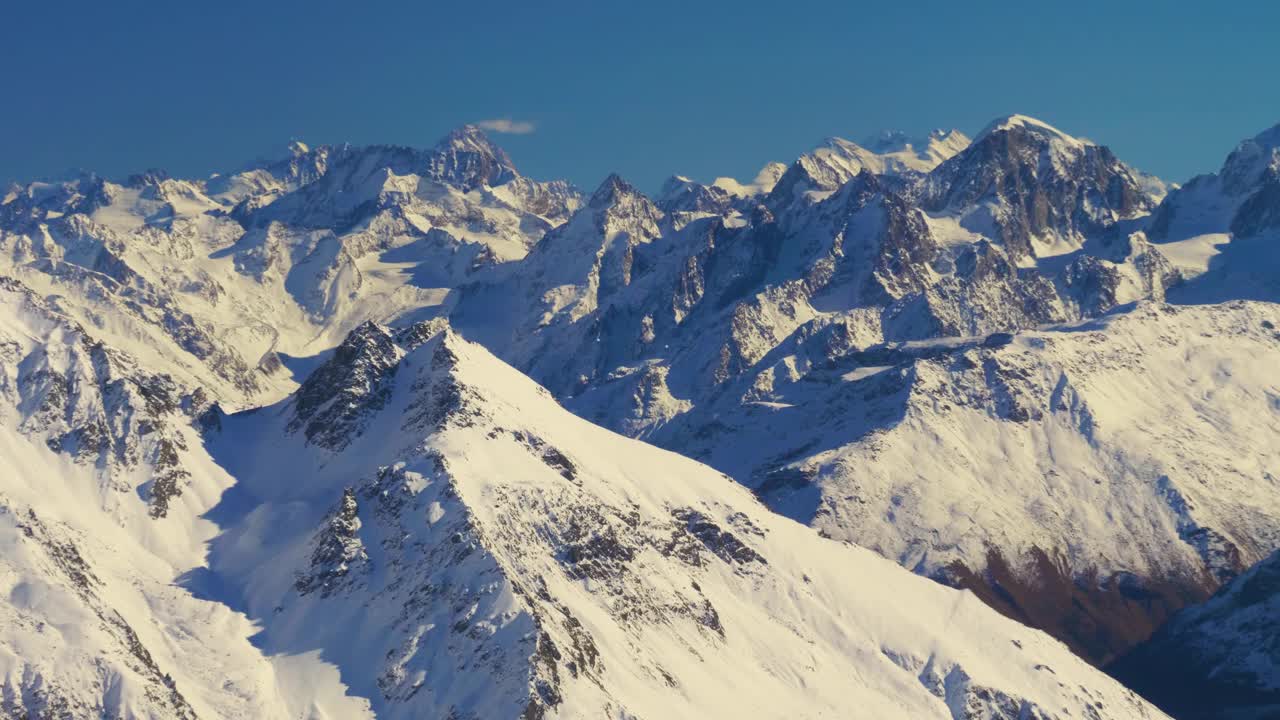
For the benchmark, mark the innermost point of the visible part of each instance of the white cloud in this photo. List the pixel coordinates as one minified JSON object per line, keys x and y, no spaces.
{"x":507,"y":125}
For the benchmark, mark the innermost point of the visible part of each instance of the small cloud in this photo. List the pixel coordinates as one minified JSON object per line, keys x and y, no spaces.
{"x":506,"y":126}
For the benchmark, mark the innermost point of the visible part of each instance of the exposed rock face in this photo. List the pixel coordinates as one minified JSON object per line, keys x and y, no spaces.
{"x":1098,"y":617}
{"x":1254,"y":163}
{"x":467,"y":160}
{"x":338,"y":549}
{"x":900,"y":255}
{"x":682,"y":195}
{"x":555,"y":200}
{"x":1033,"y":183}
{"x":333,"y":403}
{"x":1260,"y":213}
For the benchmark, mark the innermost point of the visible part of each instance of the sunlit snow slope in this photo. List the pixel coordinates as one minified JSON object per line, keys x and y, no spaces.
{"x":1013,"y":364}
{"x":421,"y":531}
{"x":464,"y":545}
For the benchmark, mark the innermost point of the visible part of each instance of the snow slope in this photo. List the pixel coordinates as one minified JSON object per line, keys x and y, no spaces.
{"x":466,"y":547}
{"x":1221,"y":228}
{"x":1135,"y":450}
{"x":103,"y":484}
{"x":421,"y":531}
{"x":723,"y":328}
{"x":903,"y":153}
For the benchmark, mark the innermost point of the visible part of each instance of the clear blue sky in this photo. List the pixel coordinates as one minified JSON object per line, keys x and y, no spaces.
{"x":646,"y":88}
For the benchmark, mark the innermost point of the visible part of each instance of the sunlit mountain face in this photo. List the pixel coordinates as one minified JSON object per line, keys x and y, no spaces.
{"x":914,"y":427}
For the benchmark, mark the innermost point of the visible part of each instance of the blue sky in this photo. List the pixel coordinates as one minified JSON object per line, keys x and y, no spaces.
{"x":646,"y":89}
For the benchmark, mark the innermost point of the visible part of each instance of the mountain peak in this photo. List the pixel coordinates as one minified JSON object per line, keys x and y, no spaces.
{"x":1028,"y":124}
{"x":835,"y":141}
{"x":611,"y":191}
{"x":948,"y":138}
{"x":1269,"y":138}
{"x":334,"y":401}
{"x":1056,"y":168}
{"x":679,"y":193}
{"x":1253,"y":161}
{"x":675,"y":185}
{"x":466,"y":158}
{"x":148,"y":177}
{"x":467,"y":135}
{"x":891,"y":152}
{"x":673,"y":182}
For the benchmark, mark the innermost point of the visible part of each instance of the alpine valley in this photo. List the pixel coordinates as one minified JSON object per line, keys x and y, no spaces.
{"x":943,"y":427}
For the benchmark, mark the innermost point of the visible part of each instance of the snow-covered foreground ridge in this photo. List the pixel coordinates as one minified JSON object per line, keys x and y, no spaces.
{"x":421,"y":531}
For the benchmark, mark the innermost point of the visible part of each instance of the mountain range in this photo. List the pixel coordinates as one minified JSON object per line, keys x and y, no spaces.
{"x":931,"y":427}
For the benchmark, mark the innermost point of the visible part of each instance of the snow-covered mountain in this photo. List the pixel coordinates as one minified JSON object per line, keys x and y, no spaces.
{"x":1014,"y":365}
{"x":892,"y":154}
{"x":227,"y":278}
{"x":902,"y":152}
{"x":1220,"y":229}
{"x":739,"y":338}
{"x":499,"y":556}
{"x":421,"y":531}
{"x":1219,"y":659}
{"x":713,"y":283}
{"x":104,"y":479}
{"x":1037,"y":190}
{"x":1087,"y":479}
